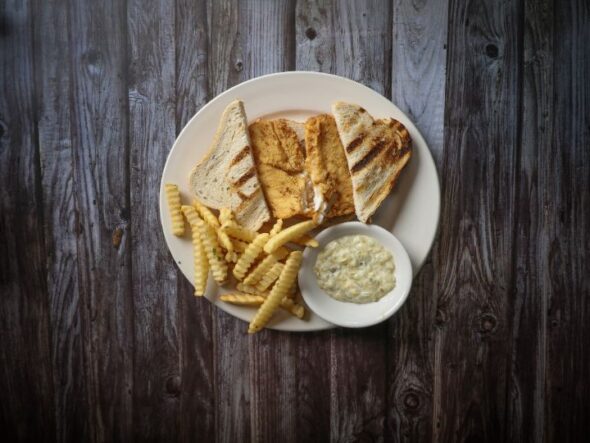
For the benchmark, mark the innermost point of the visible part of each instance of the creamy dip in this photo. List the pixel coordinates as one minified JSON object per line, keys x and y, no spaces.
{"x":355,"y":268}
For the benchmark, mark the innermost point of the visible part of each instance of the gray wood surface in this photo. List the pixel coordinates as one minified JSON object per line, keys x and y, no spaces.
{"x":102,"y":339}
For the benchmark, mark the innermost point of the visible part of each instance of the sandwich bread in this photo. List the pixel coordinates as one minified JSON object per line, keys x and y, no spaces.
{"x":227,"y":177}
{"x":376,"y":152}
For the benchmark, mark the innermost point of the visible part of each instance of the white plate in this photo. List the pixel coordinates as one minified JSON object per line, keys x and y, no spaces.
{"x":352,"y":315}
{"x":411,"y":212}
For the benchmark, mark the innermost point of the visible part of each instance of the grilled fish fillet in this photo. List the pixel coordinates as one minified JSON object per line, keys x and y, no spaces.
{"x":279,"y":155}
{"x":376,"y":152}
{"x":227,"y":177}
{"x":327,"y":166}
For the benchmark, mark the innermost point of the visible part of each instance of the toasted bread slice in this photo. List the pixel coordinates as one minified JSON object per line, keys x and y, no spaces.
{"x":327,"y":166}
{"x":376,"y":152}
{"x":226,"y":177}
{"x":279,"y":154}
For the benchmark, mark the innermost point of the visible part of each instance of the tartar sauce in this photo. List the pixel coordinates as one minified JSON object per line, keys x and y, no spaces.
{"x":355,"y":268}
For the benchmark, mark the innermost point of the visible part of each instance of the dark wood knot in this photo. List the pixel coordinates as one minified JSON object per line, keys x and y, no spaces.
{"x":239,"y":66}
{"x":173,"y":385}
{"x":93,"y":61}
{"x":441,"y":317}
{"x":492,"y":50}
{"x":487,"y":323}
{"x":124,"y":214}
{"x":311,"y":33}
{"x":412,"y":401}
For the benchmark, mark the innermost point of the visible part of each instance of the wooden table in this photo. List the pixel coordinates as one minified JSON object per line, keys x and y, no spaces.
{"x":101,"y":338}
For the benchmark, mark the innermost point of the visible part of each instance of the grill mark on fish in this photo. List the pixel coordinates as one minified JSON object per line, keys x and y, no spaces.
{"x":240,"y":155}
{"x":245,"y":177}
{"x":355,"y":143}
{"x":366,"y":160}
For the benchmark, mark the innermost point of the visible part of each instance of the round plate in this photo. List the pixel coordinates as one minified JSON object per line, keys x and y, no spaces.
{"x":411,"y":212}
{"x":353,"y":315}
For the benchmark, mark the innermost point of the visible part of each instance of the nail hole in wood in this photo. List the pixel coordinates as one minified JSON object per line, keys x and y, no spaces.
{"x":311,"y":33}
{"x":173,"y":386}
{"x":411,"y":401}
{"x":492,"y":50}
{"x":487,"y":323}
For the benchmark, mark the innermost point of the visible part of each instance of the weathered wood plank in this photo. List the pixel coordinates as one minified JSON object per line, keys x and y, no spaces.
{"x":362,"y":46}
{"x":152,"y":130}
{"x":418,"y":79}
{"x":99,"y":143}
{"x":266,"y":44}
{"x":314,"y":52}
{"x":25,"y":352}
{"x":352,"y":40}
{"x":567,"y":219}
{"x":197,"y":396}
{"x":52,"y":60}
{"x":231,"y":358}
{"x":475,"y":253}
{"x":526,"y":392}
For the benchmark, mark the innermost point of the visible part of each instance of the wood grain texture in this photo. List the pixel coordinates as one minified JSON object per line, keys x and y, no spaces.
{"x":314,"y":51}
{"x":197,"y":395}
{"x":102,"y":339}
{"x":25,"y":359}
{"x":362,"y":52}
{"x":475,"y":254}
{"x":566,"y":210}
{"x":99,"y":142}
{"x":56,"y":155}
{"x":267,"y":47}
{"x":356,"y":39}
{"x":152,"y":130}
{"x":531,"y":287}
{"x":230,"y":343}
{"x":418,"y":80}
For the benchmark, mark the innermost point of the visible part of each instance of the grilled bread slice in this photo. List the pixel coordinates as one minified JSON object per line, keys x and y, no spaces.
{"x":376,"y":152}
{"x":326,"y":164}
{"x":226,"y":177}
{"x":280,"y":159}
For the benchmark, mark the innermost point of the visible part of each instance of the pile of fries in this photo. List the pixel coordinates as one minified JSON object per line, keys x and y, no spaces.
{"x":262,"y":264}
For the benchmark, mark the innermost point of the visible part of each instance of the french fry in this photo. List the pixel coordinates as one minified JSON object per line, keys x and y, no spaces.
{"x":206,"y":214}
{"x":213,"y":251}
{"x":287,"y":304}
{"x":277,"y":227}
{"x":288,"y":234}
{"x":264,"y":266}
{"x":247,"y":289}
{"x":269,"y":278}
{"x":201,"y":265}
{"x":239,"y":245}
{"x":236,"y":231}
{"x":277,"y":293}
{"x":306,"y":240}
{"x":231,"y":257}
{"x":224,"y":240}
{"x":173,"y":198}
{"x":294,"y":308}
{"x":242,"y":299}
{"x":250,"y":254}
{"x":225,"y":216}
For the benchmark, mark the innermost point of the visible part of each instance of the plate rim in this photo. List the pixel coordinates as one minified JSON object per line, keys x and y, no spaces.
{"x":352,"y":83}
